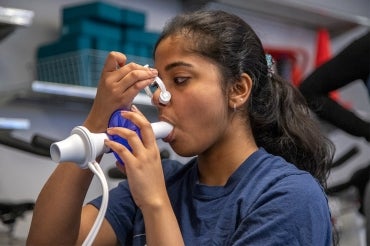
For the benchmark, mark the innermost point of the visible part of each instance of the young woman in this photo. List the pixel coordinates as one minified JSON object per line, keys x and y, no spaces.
{"x":261,"y":161}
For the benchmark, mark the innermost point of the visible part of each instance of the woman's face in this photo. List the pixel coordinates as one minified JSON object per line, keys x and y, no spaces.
{"x":198,"y":107}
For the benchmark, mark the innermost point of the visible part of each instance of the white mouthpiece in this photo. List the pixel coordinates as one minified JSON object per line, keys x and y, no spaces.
{"x":161,"y":129}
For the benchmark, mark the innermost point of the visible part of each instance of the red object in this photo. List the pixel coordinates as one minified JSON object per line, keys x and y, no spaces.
{"x":323,"y":48}
{"x":323,"y":54}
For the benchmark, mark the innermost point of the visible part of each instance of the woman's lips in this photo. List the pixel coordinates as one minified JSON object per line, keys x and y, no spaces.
{"x":169,"y":137}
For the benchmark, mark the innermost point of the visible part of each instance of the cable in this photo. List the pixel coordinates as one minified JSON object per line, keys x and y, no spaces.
{"x":96,"y":169}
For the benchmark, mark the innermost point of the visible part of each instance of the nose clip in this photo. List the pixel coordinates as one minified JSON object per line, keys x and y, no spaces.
{"x":164,"y":96}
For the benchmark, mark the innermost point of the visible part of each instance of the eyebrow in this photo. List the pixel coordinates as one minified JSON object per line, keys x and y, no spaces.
{"x":177,"y":64}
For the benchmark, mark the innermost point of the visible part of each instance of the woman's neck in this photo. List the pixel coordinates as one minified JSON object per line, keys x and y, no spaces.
{"x":218,"y":163}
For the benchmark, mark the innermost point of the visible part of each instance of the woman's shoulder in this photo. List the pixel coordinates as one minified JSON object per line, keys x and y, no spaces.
{"x":272,"y":174}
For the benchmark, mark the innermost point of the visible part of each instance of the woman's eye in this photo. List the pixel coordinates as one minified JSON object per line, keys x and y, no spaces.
{"x":180,"y":80}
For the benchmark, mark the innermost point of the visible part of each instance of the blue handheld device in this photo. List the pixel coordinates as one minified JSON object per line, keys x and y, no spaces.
{"x":116,"y":120}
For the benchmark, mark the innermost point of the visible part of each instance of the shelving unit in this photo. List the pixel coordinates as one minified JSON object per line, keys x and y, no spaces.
{"x":309,"y":14}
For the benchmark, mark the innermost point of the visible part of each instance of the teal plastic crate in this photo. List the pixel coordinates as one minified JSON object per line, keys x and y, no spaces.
{"x":136,"y":49}
{"x":128,"y":48}
{"x":107,"y":44}
{"x":131,"y":35}
{"x":81,"y":67}
{"x":104,"y":12}
{"x":131,"y":18}
{"x":91,"y":28}
{"x":95,"y":10}
{"x":64,"y":45}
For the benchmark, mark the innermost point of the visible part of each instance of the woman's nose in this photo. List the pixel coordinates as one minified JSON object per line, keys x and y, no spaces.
{"x":155,"y":97}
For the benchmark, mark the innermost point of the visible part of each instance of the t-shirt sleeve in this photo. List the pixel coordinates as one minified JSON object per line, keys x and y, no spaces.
{"x":287,"y":214}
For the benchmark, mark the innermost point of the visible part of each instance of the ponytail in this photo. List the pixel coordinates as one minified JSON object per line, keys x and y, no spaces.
{"x":283,"y":125}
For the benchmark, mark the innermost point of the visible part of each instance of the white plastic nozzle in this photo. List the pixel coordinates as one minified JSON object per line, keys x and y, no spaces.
{"x":82,"y":146}
{"x":69,"y":149}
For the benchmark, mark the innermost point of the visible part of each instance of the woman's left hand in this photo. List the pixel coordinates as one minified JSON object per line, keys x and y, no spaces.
{"x":143,"y":165}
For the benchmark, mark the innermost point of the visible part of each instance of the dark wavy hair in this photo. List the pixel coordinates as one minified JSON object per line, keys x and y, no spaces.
{"x":279,"y":117}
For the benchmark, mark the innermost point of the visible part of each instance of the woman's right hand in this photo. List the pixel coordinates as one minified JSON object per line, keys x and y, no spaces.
{"x":119,"y":84}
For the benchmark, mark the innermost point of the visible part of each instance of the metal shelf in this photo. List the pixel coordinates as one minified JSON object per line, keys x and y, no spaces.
{"x":11,"y":19}
{"x":83,"y":92}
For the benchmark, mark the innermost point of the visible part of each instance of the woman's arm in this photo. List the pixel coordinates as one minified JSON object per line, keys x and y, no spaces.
{"x":146,"y":180}
{"x":161,"y":225}
{"x":58,"y":217}
{"x":57,"y":213}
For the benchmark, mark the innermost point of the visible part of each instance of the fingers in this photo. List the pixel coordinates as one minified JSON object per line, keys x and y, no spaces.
{"x":127,"y":74}
{"x":121,"y":82}
{"x":138,"y":118}
{"x":134,"y":76}
{"x":146,"y":145}
{"x":114,"y":60}
{"x":136,"y":110}
{"x":131,"y":78}
{"x":124,"y":153}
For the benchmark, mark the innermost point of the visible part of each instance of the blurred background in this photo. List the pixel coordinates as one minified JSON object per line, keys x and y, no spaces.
{"x":52,"y":52}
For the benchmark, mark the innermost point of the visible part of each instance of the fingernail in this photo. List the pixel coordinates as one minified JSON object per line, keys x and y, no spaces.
{"x":134,"y":108}
{"x":153,"y":71}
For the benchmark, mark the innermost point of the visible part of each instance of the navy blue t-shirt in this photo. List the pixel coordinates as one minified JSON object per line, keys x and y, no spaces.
{"x":266,"y":201}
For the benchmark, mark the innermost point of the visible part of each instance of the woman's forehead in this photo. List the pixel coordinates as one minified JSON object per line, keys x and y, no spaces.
{"x":172,"y":46}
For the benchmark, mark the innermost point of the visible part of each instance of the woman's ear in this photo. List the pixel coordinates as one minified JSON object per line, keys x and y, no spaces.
{"x":239,"y":92}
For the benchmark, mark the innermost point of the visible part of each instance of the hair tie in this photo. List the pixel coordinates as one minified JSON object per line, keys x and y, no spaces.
{"x":270,"y":64}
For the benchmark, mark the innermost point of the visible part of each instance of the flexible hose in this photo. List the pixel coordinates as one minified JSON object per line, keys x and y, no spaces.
{"x":96,"y":169}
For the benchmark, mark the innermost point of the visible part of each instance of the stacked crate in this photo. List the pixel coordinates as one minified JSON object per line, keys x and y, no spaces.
{"x":89,"y":31}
